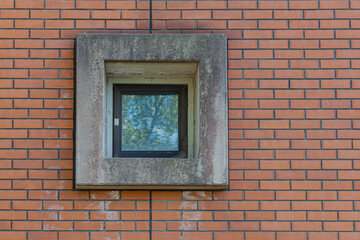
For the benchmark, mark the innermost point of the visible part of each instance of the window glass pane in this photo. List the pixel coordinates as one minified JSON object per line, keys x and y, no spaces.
{"x":149,"y":123}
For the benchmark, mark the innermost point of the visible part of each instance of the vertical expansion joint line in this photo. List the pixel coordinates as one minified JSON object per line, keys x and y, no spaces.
{"x":150,"y":16}
{"x":150,"y":215}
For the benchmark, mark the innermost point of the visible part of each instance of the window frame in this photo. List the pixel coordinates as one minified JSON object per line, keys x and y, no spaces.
{"x":206,"y":166}
{"x":192,"y":104}
{"x":150,"y":89}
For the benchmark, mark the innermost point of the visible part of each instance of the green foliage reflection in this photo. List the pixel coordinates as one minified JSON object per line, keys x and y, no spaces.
{"x":149,"y":123}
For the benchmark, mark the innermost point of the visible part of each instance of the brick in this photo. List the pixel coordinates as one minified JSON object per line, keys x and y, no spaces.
{"x":179,"y":226}
{"x":124,"y":205}
{"x":347,"y":34}
{"x":116,"y":24}
{"x":102,"y":14}
{"x":274,"y":144}
{"x":73,"y":235}
{"x":14,"y":14}
{"x":243,"y":104}
{"x":319,"y":74}
{"x":318,"y":14}
{"x":203,"y":24}
{"x":228,"y":235}
{"x":334,"y":24}
{"x":321,"y":134}
{"x":242,"y":205}
{"x":338,"y":226}
{"x":242,"y":226}
{"x":260,"y":235}
{"x":306,"y":185}
{"x":284,"y":14}
{"x":270,"y":24}
{"x":338,"y":185}
{"x":27,"y":144}
{"x":256,"y":54}
{"x":44,"y":93}
{"x":42,"y":215}
{"x":243,"y":64}
{"x":29,"y":24}
{"x":205,"y":205}
{"x":120,"y":5}
{"x":286,"y":54}
{"x":14,"y":235}
{"x":28,"y":103}
{"x":334,"y":44}
{"x":322,"y":236}
{"x":138,"y":215}
{"x":7,"y":4}
{"x":196,"y":236}
{"x":273,"y":44}
{"x":290,"y":235}
{"x":81,"y":226}
{"x":257,"y":14}
{"x":10,"y":73}
{"x":181,"y":25}
{"x":58,"y":225}
{"x":242,"y":5}
{"x":236,"y":215}
{"x":166,"y":235}
{"x":44,"y":14}
{"x":181,"y":5}
{"x":75,"y":14}
{"x":288,"y":34}
{"x":196,"y":15}
{"x":275,"y":226}
{"x":86,"y":205}
{"x":109,"y":235}
{"x":5,"y":143}
{"x":304,"y":64}
{"x":256,"y":114}
{"x":306,"y":226}
{"x":224,"y":14}
{"x":21,"y":225}
{"x":27,"y":185}
{"x":337,"y":165}
{"x":73,"y":195}
{"x":257,"y":34}
{"x":304,"y":104}
{"x":304,"y":84}
{"x":106,"y":215}
{"x":20,"y":63}
{"x":59,"y":24}
{"x":274,"y":104}
{"x":94,"y":24}
{"x":303,"y":24}
{"x":120,"y":226}
{"x":59,"y":44}
{"x":243,"y":44}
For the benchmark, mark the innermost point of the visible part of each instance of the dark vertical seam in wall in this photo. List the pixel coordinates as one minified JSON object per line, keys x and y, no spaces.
{"x":150,"y":193}
{"x":150,"y":19}
{"x":150,"y":213}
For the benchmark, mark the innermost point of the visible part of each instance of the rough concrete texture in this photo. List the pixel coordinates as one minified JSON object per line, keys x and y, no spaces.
{"x":208,"y":171}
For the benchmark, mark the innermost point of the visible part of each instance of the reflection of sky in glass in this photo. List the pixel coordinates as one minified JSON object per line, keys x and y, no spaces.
{"x":149,"y":123}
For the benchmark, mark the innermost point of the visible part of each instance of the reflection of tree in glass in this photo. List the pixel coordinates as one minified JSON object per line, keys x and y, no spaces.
{"x":149,"y":122}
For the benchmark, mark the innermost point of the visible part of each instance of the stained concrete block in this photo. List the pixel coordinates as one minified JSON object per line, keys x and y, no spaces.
{"x":208,"y":169}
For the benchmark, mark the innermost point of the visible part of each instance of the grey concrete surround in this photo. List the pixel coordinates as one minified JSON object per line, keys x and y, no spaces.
{"x":207,"y":170}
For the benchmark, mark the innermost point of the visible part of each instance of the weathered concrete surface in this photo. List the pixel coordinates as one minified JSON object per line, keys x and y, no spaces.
{"x":209,"y":170}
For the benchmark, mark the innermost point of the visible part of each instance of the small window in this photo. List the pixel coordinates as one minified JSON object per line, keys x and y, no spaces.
{"x":150,"y":121}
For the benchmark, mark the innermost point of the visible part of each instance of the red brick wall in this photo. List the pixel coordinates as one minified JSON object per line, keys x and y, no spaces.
{"x":294,"y":99}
